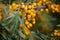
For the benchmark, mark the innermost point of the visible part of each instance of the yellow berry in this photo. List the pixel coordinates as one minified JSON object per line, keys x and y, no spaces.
{"x":34,"y":22}
{"x":10,"y":7}
{"x":47,"y":10}
{"x":44,"y":0}
{"x":53,"y":11}
{"x":24,"y":17}
{"x":22,"y":3}
{"x":52,"y":6}
{"x":29,"y":16}
{"x":41,"y":9}
{"x":26,"y":11}
{"x":29,"y":11}
{"x":20,"y":13}
{"x":20,"y":25}
{"x":56,"y":9}
{"x":17,"y":5}
{"x":34,"y":15}
{"x":39,"y":3}
{"x":27,"y":31}
{"x":26,"y":8}
{"x":55,"y":34}
{"x":30,"y":24}
{"x":34,"y":4}
{"x":13,"y":4}
{"x":23,"y":6}
{"x":26,"y":22}
{"x":55,"y":31}
{"x":44,"y":3}
{"x":29,"y":7}
{"x":14,"y":7}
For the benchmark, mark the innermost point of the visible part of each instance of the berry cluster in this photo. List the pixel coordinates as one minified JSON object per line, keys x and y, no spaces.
{"x":30,"y":12}
{"x":0,"y":13}
{"x":57,"y":32}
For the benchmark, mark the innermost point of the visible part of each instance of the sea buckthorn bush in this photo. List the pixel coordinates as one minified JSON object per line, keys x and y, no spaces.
{"x":29,"y":20}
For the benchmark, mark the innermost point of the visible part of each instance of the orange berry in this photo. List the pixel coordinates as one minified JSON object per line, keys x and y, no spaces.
{"x":0,"y":13}
{"x":0,"y":17}
{"x":58,"y":34}
{"x":55,"y":31}
{"x":33,"y":19}
{"x":55,"y":34}
{"x":0,"y":9}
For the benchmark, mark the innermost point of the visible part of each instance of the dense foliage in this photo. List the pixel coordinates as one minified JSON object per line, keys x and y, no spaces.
{"x":29,"y":20}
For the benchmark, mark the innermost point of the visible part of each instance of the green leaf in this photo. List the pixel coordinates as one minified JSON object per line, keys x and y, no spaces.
{"x":15,"y":23}
{"x":43,"y":36}
{"x":53,"y":1}
{"x":21,"y":20}
{"x":6,"y":27}
{"x":4,"y":13}
{"x":58,"y":25}
{"x":3,"y":35}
